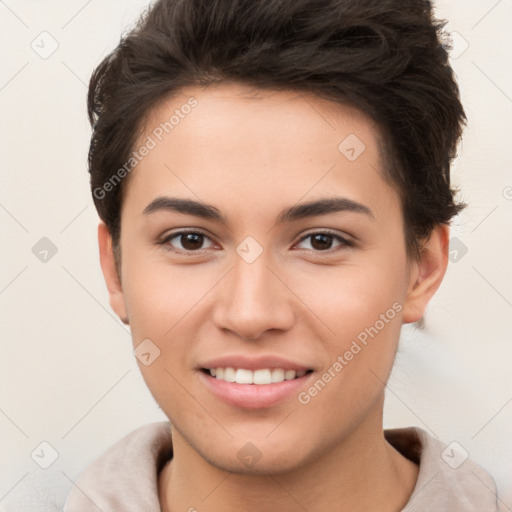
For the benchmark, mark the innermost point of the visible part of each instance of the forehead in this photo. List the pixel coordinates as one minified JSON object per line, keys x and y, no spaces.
{"x":252,"y":147}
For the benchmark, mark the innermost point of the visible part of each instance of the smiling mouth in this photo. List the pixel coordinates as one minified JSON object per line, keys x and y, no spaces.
{"x":258,"y":377}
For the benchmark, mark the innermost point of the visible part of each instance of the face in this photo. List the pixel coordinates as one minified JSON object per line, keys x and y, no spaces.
{"x":306,"y":304}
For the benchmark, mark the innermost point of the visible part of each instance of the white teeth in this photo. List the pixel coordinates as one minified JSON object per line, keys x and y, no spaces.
{"x":229,"y":374}
{"x":243,"y":376}
{"x":259,"y":377}
{"x":262,"y":377}
{"x":290,"y":374}
{"x":277,"y":375}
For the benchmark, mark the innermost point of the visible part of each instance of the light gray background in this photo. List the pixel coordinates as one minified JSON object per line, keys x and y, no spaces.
{"x":67,"y":373}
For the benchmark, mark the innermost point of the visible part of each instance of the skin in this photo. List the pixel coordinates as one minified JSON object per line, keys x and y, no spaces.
{"x":251,"y":157}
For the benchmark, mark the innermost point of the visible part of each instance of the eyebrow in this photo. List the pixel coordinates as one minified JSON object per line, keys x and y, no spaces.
{"x":300,"y":211}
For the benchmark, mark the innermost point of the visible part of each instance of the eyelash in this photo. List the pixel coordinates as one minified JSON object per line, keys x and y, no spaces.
{"x":344,"y":242}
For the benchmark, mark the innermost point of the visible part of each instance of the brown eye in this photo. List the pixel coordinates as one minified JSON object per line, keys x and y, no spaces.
{"x":323,"y":241}
{"x":185,"y":241}
{"x":191,"y":241}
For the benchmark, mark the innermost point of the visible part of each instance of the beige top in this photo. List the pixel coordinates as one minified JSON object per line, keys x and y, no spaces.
{"x":125,"y":477}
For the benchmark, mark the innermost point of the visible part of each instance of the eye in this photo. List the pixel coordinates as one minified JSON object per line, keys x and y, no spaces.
{"x":190,"y":241}
{"x":321,"y":241}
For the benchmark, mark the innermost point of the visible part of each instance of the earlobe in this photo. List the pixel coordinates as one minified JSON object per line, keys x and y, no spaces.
{"x":108,"y":267}
{"x":427,"y":274}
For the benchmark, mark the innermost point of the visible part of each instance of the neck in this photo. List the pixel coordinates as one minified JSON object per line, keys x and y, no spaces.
{"x":363,"y":473}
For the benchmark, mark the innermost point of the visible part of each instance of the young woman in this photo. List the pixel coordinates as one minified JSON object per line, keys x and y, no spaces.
{"x":273,"y":180}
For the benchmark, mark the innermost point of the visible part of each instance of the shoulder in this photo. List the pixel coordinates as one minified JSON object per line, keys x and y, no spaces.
{"x":448,"y":479}
{"x":126,"y":475}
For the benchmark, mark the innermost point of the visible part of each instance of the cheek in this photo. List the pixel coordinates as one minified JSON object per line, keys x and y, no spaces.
{"x":366,"y":321}
{"x":351,"y":298}
{"x":158,"y":296}
{"x":163,"y":304}
{"x":362,"y":308}
{"x":160,"y":303}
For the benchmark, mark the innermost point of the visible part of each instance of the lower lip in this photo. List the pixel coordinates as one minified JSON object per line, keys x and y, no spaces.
{"x":254,"y":396}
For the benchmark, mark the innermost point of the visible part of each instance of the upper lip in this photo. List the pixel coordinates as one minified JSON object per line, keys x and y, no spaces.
{"x":253,"y":363}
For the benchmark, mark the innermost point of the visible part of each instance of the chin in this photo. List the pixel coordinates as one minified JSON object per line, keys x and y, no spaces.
{"x":275,"y":464}
{"x":250,"y":452}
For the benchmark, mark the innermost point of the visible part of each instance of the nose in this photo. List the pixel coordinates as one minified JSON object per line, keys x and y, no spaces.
{"x":254,"y":299}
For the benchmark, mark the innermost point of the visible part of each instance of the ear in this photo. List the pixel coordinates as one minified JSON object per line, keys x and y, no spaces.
{"x":108,"y":267}
{"x":427,"y":273}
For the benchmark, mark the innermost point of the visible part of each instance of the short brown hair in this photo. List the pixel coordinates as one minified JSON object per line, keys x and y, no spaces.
{"x":384,"y":57}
